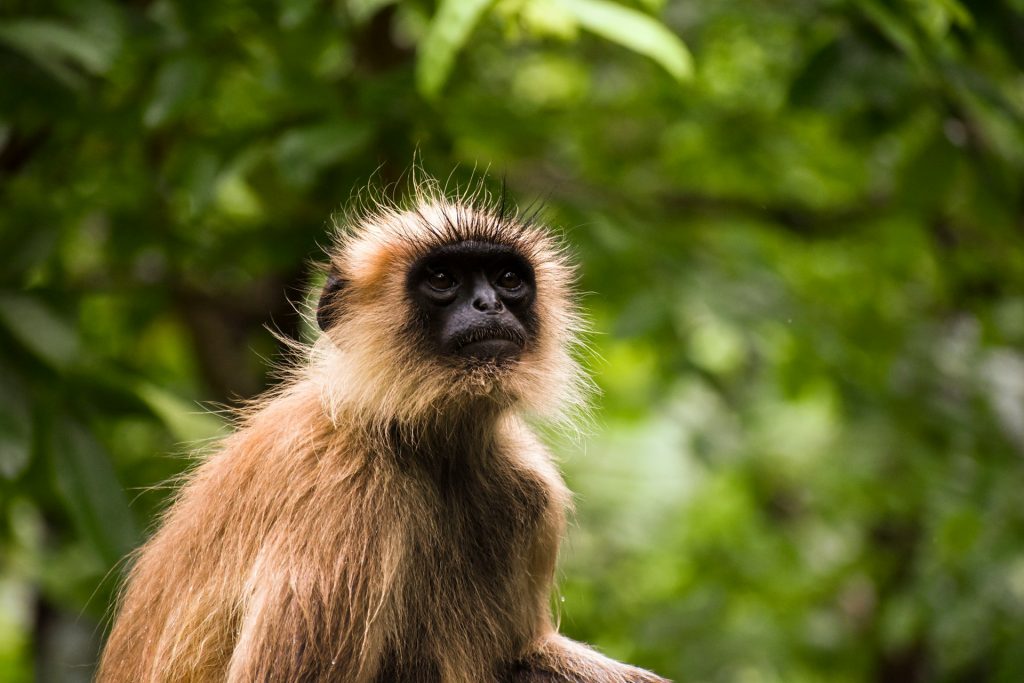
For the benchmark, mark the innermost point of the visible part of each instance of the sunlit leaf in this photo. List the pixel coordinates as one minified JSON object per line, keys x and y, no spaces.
{"x":449,"y":30}
{"x":635,"y":30}
{"x":189,"y":423}
{"x":235,"y":197}
{"x":959,"y":14}
{"x":544,"y":18}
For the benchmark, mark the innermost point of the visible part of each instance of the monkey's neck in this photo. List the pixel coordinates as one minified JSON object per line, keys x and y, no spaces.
{"x":462,"y":439}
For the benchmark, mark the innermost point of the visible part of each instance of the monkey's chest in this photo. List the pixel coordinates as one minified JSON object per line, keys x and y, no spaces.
{"x":467,"y":578}
{"x":477,"y":532}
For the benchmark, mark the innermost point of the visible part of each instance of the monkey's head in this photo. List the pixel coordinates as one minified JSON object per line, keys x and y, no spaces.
{"x":447,"y":305}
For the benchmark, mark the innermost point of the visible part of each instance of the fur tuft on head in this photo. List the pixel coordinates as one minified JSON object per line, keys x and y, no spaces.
{"x":371,"y":364}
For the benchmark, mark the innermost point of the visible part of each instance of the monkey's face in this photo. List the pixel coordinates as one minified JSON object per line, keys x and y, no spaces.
{"x":445,"y":303}
{"x":474,"y":301}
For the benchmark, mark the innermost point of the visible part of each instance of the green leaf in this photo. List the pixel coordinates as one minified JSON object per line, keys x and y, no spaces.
{"x":178,"y":84}
{"x":812,"y":81}
{"x":293,"y":13}
{"x":362,"y":10}
{"x":303,"y":152}
{"x":893,"y":27}
{"x":84,"y":477}
{"x":635,"y":30}
{"x":235,"y":197}
{"x":39,"y":329}
{"x":187,"y":422}
{"x":447,"y":34}
{"x":15,"y":426}
{"x":929,"y":175}
{"x":56,"y":47}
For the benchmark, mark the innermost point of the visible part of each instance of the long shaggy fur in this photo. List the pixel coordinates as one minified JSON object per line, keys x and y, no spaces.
{"x":385,"y":515}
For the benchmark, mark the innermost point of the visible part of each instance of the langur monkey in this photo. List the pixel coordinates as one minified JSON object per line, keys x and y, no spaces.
{"x":385,"y":515}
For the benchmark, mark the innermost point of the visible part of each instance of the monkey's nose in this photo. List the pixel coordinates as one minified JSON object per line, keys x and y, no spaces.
{"x":488,"y":302}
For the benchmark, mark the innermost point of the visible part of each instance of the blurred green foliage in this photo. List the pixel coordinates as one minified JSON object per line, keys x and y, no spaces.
{"x":802,"y":225}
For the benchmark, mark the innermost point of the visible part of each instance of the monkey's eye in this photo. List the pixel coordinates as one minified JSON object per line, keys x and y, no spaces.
{"x":440,"y":280}
{"x":509,"y":280}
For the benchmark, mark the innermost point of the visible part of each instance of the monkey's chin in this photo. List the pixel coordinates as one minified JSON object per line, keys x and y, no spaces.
{"x":491,"y":350}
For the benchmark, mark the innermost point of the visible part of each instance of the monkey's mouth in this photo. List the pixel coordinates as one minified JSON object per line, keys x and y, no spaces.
{"x":491,"y":342}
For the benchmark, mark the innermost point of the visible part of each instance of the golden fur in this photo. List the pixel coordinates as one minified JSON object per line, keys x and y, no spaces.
{"x":384,"y":515}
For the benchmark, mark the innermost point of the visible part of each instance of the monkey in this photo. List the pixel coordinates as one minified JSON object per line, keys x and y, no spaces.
{"x":385,"y":514}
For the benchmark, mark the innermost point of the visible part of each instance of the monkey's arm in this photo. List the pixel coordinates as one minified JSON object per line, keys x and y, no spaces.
{"x":316,"y":603}
{"x":557,"y":659}
{"x":297,"y":627}
{"x":551,"y":657}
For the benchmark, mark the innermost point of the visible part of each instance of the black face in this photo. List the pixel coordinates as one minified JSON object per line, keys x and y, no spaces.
{"x":475,"y":300}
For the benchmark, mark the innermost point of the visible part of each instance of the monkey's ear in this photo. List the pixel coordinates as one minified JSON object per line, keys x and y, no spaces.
{"x":326,"y":309}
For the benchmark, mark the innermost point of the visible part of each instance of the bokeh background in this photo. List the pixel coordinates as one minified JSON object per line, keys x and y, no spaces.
{"x":801,"y":230}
